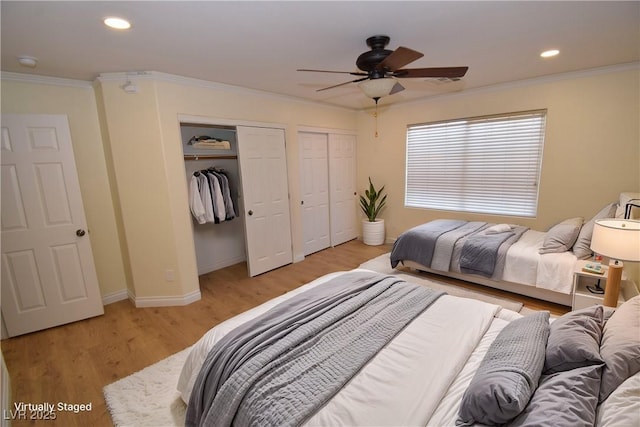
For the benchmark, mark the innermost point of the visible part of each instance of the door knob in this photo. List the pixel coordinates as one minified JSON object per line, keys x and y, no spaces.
{"x":250,"y":213}
{"x":302,"y":202}
{"x":80,"y":232}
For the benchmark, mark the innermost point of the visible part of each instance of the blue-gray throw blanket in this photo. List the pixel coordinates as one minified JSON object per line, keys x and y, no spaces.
{"x":480,"y":252}
{"x":281,"y":367}
{"x":418,"y":244}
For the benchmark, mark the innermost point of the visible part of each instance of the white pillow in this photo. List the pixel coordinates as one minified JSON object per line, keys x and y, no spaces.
{"x":498,"y":228}
{"x":622,"y":406}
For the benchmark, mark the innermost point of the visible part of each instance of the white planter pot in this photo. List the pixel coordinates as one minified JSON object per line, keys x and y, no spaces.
{"x":373,"y":232}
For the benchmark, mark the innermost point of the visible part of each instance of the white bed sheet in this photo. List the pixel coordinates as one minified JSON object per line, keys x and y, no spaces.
{"x":555,"y":272}
{"x":525,"y":265}
{"x":521,"y":264}
{"x":406,"y":382}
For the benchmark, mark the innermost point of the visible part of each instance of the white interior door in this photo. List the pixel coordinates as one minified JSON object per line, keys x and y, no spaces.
{"x":48,"y":275}
{"x":314,"y":182}
{"x":342,"y":184}
{"x":265,"y":189}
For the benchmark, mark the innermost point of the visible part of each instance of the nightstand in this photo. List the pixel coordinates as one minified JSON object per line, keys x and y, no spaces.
{"x":582,"y":297}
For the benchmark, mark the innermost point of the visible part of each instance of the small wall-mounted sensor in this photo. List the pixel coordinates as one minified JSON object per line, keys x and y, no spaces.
{"x":130,"y":87}
{"x":27,"y":61}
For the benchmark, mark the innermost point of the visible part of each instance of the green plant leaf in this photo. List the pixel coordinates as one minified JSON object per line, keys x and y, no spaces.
{"x":374,"y":201}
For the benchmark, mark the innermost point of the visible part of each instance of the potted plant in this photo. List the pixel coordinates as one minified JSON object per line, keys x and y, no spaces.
{"x":372,"y":228}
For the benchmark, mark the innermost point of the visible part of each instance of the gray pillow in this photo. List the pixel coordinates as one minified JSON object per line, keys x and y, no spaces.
{"x":508,"y":374}
{"x":562,"y":236}
{"x":620,"y":347}
{"x":582,"y":246}
{"x":563,"y":399}
{"x":574,"y":340}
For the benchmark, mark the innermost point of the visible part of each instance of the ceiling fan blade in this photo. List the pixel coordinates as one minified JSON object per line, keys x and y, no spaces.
{"x":337,"y":72}
{"x":342,"y":84}
{"x":450,"y":72}
{"x":396,"y":88}
{"x":399,"y":58}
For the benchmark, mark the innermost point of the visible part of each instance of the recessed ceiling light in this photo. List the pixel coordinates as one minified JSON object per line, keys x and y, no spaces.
{"x":549,"y":53}
{"x":117,"y":23}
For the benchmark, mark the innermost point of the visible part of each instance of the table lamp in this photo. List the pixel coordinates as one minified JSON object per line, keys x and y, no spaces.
{"x":618,"y":240}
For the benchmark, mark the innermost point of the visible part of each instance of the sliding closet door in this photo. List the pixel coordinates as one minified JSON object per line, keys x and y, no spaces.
{"x":263,"y":172}
{"x":342,"y":184}
{"x":314,"y":183}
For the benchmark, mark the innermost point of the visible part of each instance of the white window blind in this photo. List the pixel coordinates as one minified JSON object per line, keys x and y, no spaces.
{"x":484,"y":164}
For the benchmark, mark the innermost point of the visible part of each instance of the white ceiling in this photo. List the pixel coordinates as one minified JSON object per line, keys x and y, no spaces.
{"x":260,"y":45}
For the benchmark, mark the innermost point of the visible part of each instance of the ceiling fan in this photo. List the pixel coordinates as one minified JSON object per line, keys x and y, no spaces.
{"x":381,"y":67}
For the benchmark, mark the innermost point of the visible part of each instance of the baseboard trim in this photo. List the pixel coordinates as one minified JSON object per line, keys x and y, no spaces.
{"x":115,"y":297}
{"x":186,"y":299}
{"x":220,"y":264}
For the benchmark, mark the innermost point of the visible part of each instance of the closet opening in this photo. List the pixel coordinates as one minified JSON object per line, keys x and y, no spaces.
{"x":253,"y":162}
{"x":213,"y":179}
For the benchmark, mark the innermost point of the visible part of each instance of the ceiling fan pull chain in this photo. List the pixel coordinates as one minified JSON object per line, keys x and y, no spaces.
{"x":375,"y":114}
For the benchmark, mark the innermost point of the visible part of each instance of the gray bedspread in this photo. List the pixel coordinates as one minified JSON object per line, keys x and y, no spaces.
{"x":279,"y":368}
{"x":468,"y":248}
{"x":419,"y":243}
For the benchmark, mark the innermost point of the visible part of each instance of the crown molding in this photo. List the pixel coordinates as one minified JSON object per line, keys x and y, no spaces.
{"x":522,"y":83}
{"x":205,"y":84}
{"x":188,"y":81}
{"x":45,"y":80}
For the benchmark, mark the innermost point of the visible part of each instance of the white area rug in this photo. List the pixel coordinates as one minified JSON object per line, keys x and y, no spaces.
{"x":383,"y":265}
{"x":149,"y":397}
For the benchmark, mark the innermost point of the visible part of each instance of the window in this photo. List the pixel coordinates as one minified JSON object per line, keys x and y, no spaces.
{"x":482,"y":164}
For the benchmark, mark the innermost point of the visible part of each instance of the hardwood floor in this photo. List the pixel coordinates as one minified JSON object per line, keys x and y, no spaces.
{"x":72,"y":363}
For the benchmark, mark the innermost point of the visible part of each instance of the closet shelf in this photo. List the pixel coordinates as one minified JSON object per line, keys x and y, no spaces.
{"x":208,"y":156}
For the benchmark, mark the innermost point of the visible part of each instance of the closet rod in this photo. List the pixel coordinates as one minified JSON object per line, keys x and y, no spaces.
{"x":207,"y":156}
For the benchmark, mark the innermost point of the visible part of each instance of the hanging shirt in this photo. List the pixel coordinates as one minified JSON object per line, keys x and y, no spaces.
{"x":226,"y":193}
{"x":219,"y":209}
{"x":195,"y":202}
{"x":205,"y":196}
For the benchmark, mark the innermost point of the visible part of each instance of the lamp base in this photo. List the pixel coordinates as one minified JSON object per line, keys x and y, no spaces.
{"x":612,"y":288}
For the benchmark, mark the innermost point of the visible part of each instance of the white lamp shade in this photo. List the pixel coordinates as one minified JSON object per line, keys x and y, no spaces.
{"x":617,"y":239}
{"x":377,"y":88}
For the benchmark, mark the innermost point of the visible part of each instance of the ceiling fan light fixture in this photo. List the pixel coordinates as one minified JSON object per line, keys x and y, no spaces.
{"x":377,"y":88}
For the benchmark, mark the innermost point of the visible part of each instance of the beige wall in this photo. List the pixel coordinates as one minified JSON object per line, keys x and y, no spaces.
{"x":591,"y":149}
{"x":78,"y":102}
{"x":131,"y":169}
{"x":145,"y":141}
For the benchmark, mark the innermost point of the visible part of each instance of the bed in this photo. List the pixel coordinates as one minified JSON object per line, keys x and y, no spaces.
{"x":504,"y":256}
{"x":490,"y":365}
